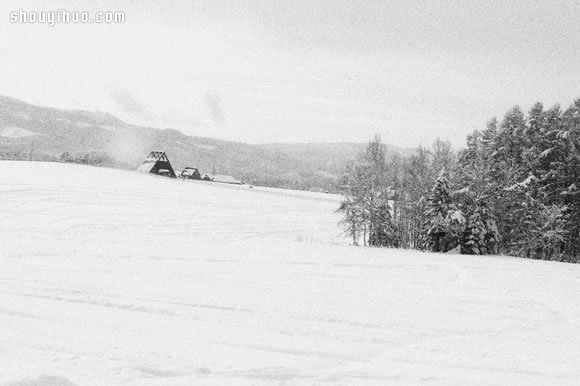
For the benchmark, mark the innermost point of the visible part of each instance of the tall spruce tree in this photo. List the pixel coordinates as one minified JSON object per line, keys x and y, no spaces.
{"x":443,"y":224}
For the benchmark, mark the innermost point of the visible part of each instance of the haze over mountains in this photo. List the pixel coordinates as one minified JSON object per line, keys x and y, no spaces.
{"x":42,"y":133}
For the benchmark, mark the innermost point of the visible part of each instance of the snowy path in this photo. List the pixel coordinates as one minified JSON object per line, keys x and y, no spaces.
{"x":111,"y":277}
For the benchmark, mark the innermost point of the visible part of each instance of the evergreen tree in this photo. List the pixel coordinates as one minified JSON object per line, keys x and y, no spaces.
{"x":480,"y":235}
{"x":473,"y":172}
{"x":384,"y":232}
{"x":444,"y":222}
{"x":570,"y":183}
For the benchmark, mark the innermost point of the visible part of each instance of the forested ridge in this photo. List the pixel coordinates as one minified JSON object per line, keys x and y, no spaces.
{"x":514,"y":190}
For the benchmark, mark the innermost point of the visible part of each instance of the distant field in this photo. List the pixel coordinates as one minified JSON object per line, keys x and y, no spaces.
{"x":114,"y":277}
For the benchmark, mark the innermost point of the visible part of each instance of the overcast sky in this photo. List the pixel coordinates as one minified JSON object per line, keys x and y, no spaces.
{"x":299,"y":71}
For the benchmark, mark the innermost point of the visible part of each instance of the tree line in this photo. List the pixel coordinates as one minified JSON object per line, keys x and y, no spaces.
{"x":513,"y":189}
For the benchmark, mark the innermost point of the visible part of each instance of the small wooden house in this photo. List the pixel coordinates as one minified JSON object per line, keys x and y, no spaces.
{"x":157,"y":163}
{"x":190,"y":174}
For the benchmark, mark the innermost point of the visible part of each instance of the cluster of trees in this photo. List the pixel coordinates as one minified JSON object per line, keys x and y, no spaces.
{"x":514,"y":189}
{"x":95,"y":158}
{"x":20,"y":155}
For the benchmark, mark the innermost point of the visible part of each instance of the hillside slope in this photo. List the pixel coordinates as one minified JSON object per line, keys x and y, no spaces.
{"x":114,"y":277}
{"x":40,"y":133}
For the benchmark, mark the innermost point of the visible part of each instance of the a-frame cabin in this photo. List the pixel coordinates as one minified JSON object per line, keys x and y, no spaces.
{"x":157,"y":163}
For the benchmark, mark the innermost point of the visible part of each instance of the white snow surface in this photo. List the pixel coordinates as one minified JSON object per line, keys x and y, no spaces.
{"x":16,"y":132}
{"x":113,"y":277}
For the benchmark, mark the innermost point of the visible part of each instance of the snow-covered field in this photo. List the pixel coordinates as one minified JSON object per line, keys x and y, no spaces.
{"x":112,"y":277}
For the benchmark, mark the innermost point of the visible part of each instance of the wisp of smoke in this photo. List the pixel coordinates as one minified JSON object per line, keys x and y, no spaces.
{"x":215,"y":106}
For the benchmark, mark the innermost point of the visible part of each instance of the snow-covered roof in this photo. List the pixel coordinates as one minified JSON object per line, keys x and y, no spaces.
{"x":226,"y":179}
{"x":146,"y":166}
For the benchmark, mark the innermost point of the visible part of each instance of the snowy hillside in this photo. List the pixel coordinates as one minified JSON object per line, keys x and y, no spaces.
{"x":50,"y":132}
{"x":113,"y":277}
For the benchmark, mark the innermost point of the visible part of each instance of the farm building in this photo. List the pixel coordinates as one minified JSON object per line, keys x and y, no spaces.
{"x":190,"y":174}
{"x":226,"y":179}
{"x":157,"y":163}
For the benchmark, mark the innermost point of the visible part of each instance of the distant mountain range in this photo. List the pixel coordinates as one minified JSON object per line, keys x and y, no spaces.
{"x":42,"y":133}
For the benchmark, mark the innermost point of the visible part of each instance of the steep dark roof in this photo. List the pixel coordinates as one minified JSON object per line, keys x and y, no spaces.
{"x":156,"y":161}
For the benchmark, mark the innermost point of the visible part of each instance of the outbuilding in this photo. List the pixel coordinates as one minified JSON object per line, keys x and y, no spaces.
{"x":190,"y":174}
